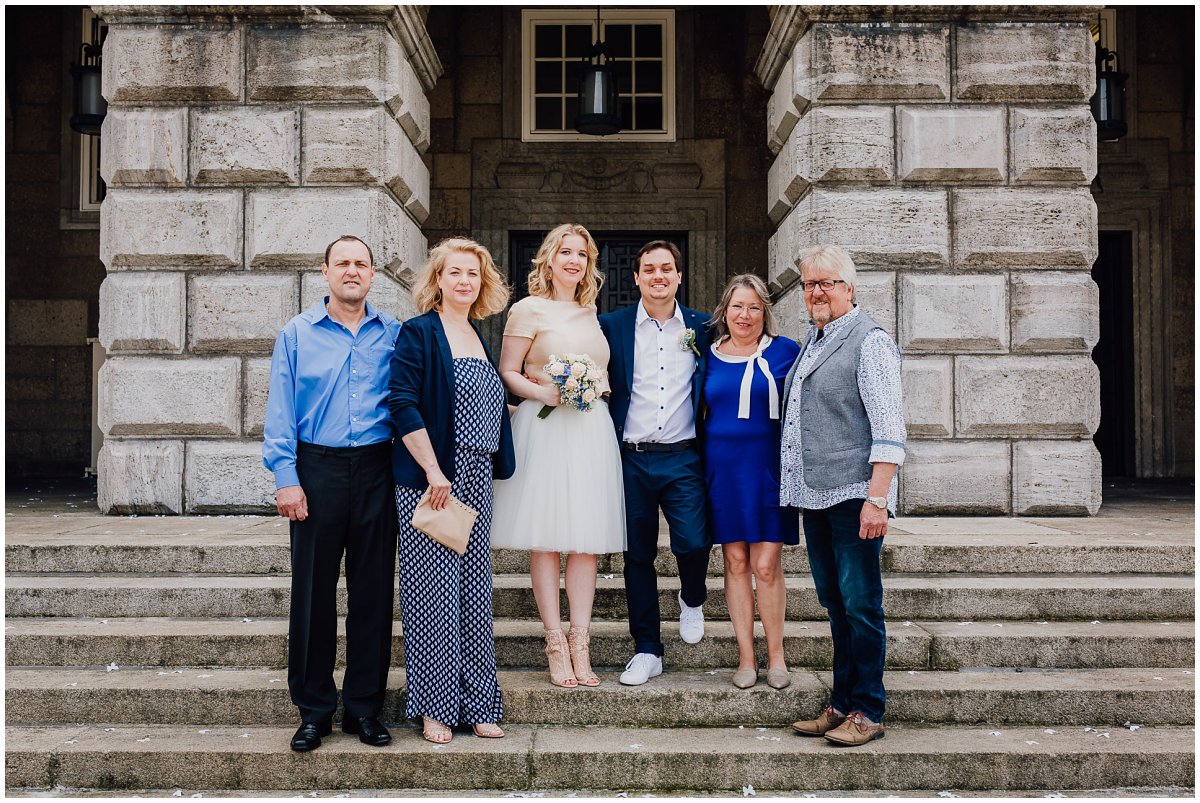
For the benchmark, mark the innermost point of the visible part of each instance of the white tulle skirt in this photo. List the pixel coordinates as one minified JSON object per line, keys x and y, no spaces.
{"x":566,"y":494}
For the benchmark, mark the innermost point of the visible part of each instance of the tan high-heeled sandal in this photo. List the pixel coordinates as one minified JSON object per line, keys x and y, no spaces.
{"x":560,"y":663}
{"x":436,"y":732}
{"x":578,"y":640}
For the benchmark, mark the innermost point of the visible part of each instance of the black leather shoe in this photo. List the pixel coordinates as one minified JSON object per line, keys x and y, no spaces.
{"x":369,"y":730}
{"x":308,"y":735}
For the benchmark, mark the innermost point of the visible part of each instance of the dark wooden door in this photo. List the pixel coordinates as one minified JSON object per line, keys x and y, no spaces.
{"x":1113,"y":355}
{"x":617,"y":251}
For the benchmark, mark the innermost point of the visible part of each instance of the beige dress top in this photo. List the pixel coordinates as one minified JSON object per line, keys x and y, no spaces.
{"x":567,"y":494}
{"x":558,"y":328}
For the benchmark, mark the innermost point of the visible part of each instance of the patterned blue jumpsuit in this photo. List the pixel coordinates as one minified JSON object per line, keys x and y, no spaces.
{"x":446,"y":598}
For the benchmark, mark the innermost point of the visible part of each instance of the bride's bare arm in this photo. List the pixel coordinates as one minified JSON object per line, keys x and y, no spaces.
{"x":512,"y":359}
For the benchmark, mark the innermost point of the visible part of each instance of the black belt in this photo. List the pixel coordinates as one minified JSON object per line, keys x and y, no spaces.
{"x":677,"y":446}
{"x":381,"y":448}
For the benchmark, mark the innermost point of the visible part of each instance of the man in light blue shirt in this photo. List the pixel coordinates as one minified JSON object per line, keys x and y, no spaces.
{"x":327,"y":438}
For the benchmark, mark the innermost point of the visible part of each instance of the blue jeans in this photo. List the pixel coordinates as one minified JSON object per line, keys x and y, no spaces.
{"x":845,"y":569}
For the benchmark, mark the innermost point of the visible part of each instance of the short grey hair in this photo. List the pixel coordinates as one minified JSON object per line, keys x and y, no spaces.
{"x":829,"y":257}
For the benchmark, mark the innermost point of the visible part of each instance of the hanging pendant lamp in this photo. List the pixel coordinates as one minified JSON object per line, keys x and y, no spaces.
{"x":89,"y":105}
{"x":598,"y":114}
{"x":1108,"y":104}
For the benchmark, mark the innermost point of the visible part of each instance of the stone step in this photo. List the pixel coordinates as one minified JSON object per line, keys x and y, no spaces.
{"x":549,"y":758}
{"x":677,"y":698}
{"x":1138,"y":792}
{"x":257,"y":545}
{"x":906,"y":596}
{"x":61,"y":641}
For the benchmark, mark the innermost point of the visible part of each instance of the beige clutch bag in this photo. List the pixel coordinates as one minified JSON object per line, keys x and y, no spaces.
{"x":450,"y":526}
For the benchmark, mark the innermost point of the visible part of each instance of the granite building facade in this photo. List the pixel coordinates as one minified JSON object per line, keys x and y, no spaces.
{"x":951,"y":150}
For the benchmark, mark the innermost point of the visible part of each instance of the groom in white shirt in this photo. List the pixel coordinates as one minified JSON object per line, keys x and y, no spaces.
{"x":656,"y":371}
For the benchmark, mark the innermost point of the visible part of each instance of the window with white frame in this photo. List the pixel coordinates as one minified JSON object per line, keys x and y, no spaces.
{"x":639,"y":45}
{"x":81,"y":190}
{"x":91,"y":186}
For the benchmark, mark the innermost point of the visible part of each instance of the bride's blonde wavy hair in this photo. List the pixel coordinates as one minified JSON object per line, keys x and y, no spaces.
{"x":540,"y":278}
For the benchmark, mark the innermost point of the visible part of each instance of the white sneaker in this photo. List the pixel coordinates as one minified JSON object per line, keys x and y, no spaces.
{"x":641,"y":668}
{"x":691,"y":622}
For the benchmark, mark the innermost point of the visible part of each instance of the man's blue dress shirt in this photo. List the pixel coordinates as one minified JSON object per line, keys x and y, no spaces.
{"x":328,"y":387}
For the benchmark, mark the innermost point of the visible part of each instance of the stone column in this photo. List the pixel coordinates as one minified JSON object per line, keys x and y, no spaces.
{"x":238,"y":143}
{"x":950,"y":151}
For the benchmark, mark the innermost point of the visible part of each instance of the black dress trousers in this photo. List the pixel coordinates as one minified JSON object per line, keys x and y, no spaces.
{"x":350,"y":511}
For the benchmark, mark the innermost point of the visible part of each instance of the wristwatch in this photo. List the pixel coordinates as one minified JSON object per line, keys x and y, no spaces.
{"x":878,"y":501}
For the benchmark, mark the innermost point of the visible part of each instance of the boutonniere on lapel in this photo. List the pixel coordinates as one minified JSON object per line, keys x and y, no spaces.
{"x":687,"y":342}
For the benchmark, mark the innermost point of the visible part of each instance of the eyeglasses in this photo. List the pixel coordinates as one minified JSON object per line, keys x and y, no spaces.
{"x":824,"y":284}
{"x":738,"y":309}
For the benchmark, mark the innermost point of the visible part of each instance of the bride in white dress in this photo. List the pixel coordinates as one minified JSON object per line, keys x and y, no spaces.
{"x":566,"y":494}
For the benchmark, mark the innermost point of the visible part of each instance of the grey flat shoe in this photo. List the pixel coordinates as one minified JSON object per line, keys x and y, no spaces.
{"x":745,"y":678}
{"x":779,"y":678}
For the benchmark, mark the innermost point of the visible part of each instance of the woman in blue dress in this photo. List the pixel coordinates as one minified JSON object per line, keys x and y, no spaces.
{"x":742,"y":388}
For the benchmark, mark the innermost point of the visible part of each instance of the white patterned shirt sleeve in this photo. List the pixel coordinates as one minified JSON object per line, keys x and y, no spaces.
{"x":879,"y":387}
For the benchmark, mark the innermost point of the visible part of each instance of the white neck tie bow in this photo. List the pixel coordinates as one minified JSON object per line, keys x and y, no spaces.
{"x":748,"y":378}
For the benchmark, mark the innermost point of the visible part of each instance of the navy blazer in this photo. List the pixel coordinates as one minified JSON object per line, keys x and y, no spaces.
{"x":422,"y":397}
{"x":618,"y":328}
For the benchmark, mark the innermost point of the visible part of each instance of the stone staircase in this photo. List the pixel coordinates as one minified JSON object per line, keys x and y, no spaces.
{"x":1023,"y":654}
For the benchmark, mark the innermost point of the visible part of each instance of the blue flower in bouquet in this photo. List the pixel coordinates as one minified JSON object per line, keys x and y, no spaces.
{"x":576,"y":376}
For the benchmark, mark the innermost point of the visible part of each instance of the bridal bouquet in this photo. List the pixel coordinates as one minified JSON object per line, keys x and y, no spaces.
{"x":576,"y":376}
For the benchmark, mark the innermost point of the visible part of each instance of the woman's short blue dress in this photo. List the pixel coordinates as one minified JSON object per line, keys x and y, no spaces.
{"x":742,"y":454}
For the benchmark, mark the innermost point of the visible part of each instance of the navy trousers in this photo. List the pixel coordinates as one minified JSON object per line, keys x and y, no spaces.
{"x":845,"y":570}
{"x":350,"y":512}
{"x":673,"y":481}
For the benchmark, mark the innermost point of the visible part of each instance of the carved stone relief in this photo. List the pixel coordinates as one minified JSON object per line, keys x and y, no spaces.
{"x":605,"y":186}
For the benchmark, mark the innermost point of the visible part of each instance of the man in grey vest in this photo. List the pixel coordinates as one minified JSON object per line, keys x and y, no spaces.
{"x":843,"y":439}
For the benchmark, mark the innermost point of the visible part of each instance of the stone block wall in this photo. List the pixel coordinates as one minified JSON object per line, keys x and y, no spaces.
{"x":952,"y":159}
{"x":466,"y":104}
{"x":238,"y":144}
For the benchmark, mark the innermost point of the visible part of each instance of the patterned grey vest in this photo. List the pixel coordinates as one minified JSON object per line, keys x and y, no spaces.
{"x":835,"y":432}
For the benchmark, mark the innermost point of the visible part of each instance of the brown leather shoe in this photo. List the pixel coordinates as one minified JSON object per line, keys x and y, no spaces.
{"x":826,"y":721}
{"x":856,"y":730}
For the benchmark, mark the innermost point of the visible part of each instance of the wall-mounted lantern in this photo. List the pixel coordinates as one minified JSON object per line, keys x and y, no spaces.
{"x":598,"y":113}
{"x":1108,"y":104}
{"x":89,"y":105}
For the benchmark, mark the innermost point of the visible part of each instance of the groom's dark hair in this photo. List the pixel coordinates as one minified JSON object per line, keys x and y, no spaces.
{"x":654,"y":245}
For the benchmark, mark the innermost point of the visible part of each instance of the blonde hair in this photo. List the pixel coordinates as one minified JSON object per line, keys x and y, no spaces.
{"x":750,"y":282}
{"x":829,"y":257}
{"x":493,"y":292}
{"x":540,"y":278}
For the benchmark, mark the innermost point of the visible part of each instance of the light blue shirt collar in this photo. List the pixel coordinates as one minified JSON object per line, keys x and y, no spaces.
{"x":316,"y":312}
